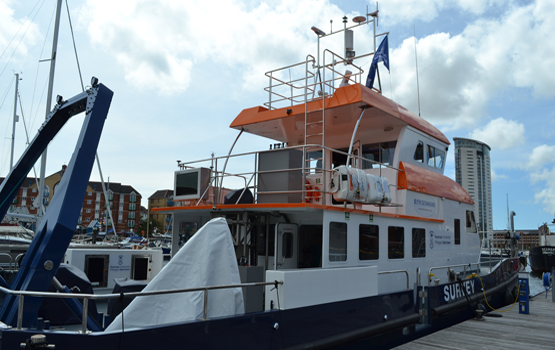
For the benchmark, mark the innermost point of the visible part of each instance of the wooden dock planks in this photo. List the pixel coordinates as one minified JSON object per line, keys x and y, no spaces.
{"x":512,"y":331}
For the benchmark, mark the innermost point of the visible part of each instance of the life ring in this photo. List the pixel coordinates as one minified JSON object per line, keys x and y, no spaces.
{"x":309,"y":194}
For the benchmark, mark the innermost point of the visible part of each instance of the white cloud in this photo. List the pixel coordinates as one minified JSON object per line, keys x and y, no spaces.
{"x":546,"y":196}
{"x":542,"y":155}
{"x":159,"y":43}
{"x":500,"y":134}
{"x":496,"y":177}
{"x":460,"y":74}
{"x":23,"y":32}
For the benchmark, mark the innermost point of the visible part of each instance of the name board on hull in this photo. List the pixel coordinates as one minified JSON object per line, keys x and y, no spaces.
{"x":425,"y":207}
{"x":440,"y":240}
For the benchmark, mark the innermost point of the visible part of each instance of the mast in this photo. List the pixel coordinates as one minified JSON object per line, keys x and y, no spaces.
{"x":15,"y":118}
{"x":48,"y":105}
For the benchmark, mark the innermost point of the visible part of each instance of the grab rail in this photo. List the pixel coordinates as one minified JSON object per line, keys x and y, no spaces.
{"x":396,"y":271}
{"x":86,"y":297}
{"x":464,"y":266}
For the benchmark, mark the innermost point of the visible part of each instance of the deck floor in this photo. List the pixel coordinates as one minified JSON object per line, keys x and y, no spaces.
{"x":535,"y":330}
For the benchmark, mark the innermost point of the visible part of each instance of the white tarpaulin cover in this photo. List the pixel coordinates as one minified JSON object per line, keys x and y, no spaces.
{"x":207,"y":259}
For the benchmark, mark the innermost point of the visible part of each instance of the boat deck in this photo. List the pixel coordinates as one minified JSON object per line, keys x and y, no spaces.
{"x":512,"y":331}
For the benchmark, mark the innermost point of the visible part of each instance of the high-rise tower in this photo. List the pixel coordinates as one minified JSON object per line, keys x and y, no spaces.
{"x":473,"y":173}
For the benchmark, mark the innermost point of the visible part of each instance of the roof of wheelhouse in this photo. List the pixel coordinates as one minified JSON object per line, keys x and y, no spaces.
{"x":341,"y":110}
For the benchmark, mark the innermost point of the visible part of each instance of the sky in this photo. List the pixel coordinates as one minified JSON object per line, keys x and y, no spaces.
{"x":181,"y":71}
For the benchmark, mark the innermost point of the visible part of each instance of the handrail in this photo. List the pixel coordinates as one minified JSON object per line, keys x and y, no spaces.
{"x":451,"y":266}
{"x":248,"y":176}
{"x":396,"y":271}
{"x":86,"y":297}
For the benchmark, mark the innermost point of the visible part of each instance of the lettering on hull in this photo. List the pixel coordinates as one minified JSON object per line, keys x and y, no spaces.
{"x":454,"y":291}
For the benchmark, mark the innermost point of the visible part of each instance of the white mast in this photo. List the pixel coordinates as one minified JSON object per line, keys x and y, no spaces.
{"x":48,"y":105}
{"x":15,"y":118}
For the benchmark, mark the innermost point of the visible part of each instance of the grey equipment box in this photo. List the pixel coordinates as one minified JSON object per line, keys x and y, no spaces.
{"x":281,"y":178}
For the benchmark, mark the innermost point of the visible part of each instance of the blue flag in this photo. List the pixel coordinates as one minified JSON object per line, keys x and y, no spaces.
{"x":381,"y":55}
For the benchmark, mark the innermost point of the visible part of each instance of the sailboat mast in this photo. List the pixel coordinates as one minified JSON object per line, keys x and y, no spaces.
{"x":15,"y":118}
{"x":48,"y":105}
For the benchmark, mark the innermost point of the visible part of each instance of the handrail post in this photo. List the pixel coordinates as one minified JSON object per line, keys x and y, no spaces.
{"x":20,"y":313}
{"x":205,"y":313}
{"x":84,"y":315}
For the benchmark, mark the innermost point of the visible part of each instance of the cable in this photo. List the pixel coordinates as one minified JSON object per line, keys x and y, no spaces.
{"x":75,"y":47}
{"x":486,"y":298}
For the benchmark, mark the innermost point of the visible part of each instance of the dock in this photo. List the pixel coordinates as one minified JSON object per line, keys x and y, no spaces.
{"x":513,"y":330}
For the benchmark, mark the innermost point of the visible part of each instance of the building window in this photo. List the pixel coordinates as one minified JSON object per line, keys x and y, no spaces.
{"x":130,"y":223}
{"x":88,"y":211}
{"x":418,"y":243}
{"x":132,"y":198}
{"x":368,"y":242}
{"x":88,"y":219}
{"x":34,"y":190}
{"x":89,"y":201}
{"x":338,"y":241}
{"x":89,"y":193}
{"x":396,"y":242}
{"x":132,"y":206}
{"x":131,"y":215}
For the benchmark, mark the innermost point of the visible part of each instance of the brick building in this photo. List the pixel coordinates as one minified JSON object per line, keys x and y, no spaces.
{"x":125,"y":202}
{"x":160,"y":199}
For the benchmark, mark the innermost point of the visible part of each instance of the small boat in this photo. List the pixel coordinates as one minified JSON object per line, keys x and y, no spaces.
{"x":542,"y":257}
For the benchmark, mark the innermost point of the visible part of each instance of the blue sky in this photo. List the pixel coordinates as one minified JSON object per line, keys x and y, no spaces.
{"x":181,"y":71}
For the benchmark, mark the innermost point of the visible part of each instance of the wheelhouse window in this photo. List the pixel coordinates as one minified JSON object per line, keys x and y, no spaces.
{"x":419,"y":153}
{"x":436,"y":157}
{"x":338,"y":241}
{"x":396,"y":242}
{"x":457,"y":231}
{"x":287,"y":244}
{"x":418,"y":243}
{"x":470,"y":222}
{"x":376,"y":153}
{"x":368,"y":242}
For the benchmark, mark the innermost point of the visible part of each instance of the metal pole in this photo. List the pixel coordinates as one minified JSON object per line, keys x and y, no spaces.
{"x":20,"y":313}
{"x":48,"y":106}
{"x":84,"y":315}
{"x":14,"y":118}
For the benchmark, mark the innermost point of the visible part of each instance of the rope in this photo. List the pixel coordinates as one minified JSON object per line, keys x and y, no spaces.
{"x":486,"y":298}
{"x":75,"y":47}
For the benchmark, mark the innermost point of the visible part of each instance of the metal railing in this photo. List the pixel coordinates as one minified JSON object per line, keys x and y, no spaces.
{"x":87,"y":297}
{"x":396,"y":271}
{"x":464,"y":266}
{"x":249,"y":179}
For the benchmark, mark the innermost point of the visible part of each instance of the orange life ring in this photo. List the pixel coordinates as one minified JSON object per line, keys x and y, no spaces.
{"x":309,"y":194}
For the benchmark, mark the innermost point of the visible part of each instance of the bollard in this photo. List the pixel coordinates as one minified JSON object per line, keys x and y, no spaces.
{"x":523,"y":293}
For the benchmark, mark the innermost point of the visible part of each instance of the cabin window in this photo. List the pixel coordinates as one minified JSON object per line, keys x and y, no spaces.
{"x":287,"y":244}
{"x":457,"y":231}
{"x":368,"y":242}
{"x":418,"y":243}
{"x":396,"y":242}
{"x":470,"y":222}
{"x":376,"y":153}
{"x":314,"y":160}
{"x":436,"y":157}
{"x":310,"y":246}
{"x":338,"y":241}
{"x":419,"y":152}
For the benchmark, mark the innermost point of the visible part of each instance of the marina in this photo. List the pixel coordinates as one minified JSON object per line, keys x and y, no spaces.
{"x":509,"y":330}
{"x":344,"y":233}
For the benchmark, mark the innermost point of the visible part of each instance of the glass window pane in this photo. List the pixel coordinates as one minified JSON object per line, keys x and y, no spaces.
{"x":338,"y":241}
{"x":419,"y":153}
{"x":396,"y":242}
{"x":431,"y":155}
{"x":287,"y":243}
{"x":418,"y":243}
{"x":457,"y":231}
{"x":439,"y":158}
{"x":368,"y":241}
